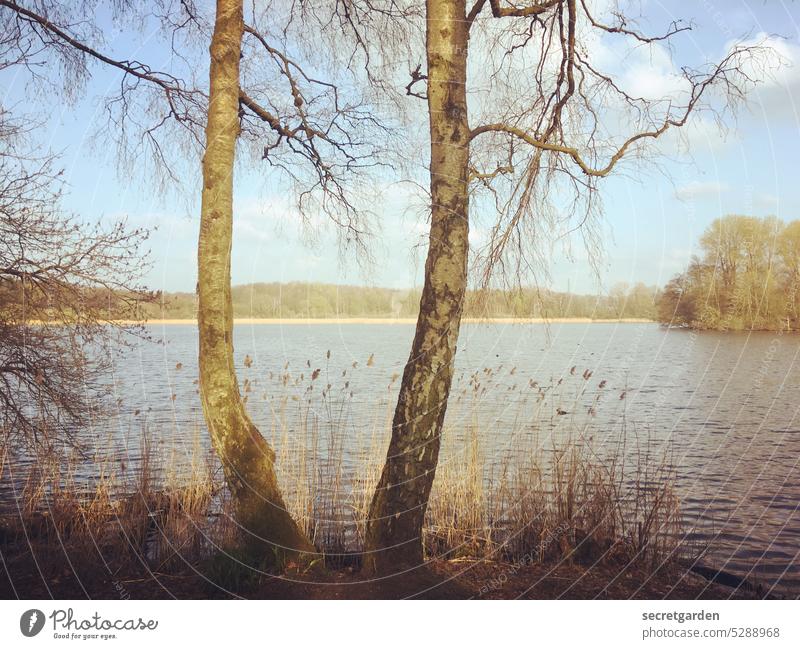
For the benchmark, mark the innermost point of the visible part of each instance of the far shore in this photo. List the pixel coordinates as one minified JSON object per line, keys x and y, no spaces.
{"x":397,"y":321}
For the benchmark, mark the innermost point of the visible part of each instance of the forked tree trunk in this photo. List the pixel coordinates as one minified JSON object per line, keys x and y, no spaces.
{"x":394,"y":529}
{"x":247,"y":459}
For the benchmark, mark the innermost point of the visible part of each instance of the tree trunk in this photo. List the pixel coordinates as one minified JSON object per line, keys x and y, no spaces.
{"x":247,"y":459}
{"x":397,"y":512}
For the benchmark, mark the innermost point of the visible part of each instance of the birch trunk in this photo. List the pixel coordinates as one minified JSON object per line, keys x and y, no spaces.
{"x":246,"y":457}
{"x":397,"y":512}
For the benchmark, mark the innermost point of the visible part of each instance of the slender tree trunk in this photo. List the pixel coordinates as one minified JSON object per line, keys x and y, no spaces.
{"x":247,"y":459}
{"x":394,"y":529}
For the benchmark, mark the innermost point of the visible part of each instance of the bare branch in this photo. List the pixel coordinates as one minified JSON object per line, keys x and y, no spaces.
{"x":521,"y":12}
{"x":621,"y":27}
{"x":65,"y":287}
{"x":722,"y":72}
{"x":416,"y":76}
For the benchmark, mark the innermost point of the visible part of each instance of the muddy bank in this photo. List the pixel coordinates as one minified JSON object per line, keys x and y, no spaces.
{"x":462,"y":579}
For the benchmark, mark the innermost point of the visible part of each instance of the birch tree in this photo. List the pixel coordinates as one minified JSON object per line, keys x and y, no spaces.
{"x":556,"y":120}
{"x":258,"y":98}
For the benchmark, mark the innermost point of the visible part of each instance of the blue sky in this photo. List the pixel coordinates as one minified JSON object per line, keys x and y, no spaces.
{"x":651,"y":220}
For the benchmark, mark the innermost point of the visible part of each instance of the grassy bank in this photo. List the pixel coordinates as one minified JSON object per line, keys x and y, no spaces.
{"x":555,"y":504}
{"x":564,"y":529}
{"x":564,"y":512}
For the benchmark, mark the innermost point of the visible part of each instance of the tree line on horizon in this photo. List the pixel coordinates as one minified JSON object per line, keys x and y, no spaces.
{"x":320,"y":300}
{"x":745,"y":277}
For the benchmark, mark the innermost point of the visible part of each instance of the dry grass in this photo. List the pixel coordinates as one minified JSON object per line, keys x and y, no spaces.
{"x":565,"y":503}
{"x":551,"y":493}
{"x":556,"y":489}
{"x":156,"y":518}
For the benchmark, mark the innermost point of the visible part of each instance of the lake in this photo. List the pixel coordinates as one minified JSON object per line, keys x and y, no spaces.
{"x":722,"y":406}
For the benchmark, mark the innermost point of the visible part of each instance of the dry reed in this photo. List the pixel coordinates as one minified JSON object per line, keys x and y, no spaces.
{"x":550,"y":492}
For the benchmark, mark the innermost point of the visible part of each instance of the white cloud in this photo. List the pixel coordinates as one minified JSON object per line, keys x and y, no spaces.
{"x":264,"y":215}
{"x":650,"y":72}
{"x":697,"y":190}
{"x":765,"y":203}
{"x":777,"y":68}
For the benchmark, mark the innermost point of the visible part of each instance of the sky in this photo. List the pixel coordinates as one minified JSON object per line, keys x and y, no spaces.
{"x":651,"y":221}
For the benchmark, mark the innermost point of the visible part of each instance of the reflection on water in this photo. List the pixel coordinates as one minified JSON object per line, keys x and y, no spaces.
{"x":724,"y":406}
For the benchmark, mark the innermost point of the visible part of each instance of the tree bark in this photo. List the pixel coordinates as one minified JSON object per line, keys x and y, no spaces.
{"x":397,"y":512}
{"x":247,"y":459}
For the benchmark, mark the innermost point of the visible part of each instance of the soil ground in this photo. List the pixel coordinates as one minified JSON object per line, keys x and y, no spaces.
{"x":462,"y":579}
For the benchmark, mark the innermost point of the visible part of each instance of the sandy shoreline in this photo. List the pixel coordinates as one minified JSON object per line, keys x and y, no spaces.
{"x":398,"y":321}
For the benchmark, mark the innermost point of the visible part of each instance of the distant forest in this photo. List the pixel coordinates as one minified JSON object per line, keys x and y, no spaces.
{"x":746,"y":276}
{"x":311,"y":300}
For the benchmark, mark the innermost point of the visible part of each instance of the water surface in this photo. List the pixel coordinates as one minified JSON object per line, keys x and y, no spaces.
{"x":723,"y":405}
